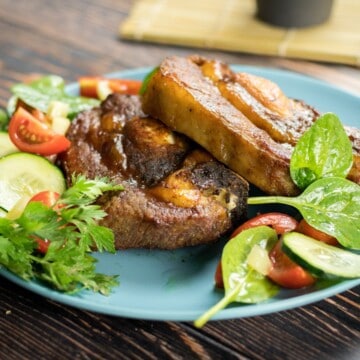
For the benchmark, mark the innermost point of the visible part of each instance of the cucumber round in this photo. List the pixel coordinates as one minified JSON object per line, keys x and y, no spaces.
{"x":6,"y":145}
{"x":24,"y":174}
{"x":321,"y":259}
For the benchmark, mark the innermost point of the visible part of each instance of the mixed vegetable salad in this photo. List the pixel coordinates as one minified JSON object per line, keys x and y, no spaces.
{"x":48,"y":230}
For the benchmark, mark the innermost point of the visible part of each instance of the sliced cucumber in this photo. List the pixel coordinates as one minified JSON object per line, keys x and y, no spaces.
{"x":3,"y":212}
{"x":6,"y":145}
{"x":321,"y":259}
{"x":24,"y":174}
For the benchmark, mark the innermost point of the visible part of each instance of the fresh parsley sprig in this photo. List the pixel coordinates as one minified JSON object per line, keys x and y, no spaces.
{"x":73,"y":229}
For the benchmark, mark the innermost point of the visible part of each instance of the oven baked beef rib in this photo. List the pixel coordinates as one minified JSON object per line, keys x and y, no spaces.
{"x":176,"y":194}
{"x":244,"y":121}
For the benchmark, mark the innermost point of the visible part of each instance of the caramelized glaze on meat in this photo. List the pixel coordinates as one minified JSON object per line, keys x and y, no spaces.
{"x":245,"y":121}
{"x":188,"y":102}
{"x":176,"y":194}
{"x":261,"y":101}
{"x":264,"y":103}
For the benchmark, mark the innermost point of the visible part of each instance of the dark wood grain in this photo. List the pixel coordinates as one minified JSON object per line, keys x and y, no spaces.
{"x":72,"y":38}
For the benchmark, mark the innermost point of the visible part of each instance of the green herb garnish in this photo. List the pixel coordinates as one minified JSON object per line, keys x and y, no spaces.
{"x":72,"y":227}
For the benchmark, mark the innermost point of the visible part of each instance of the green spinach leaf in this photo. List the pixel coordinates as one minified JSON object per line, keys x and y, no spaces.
{"x":40,"y":93}
{"x":323,"y":150}
{"x":52,"y":83}
{"x":147,"y":80}
{"x":241,"y":282}
{"x":331,"y":205}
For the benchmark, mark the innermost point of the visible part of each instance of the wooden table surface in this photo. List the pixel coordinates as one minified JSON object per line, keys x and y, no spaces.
{"x":72,"y":38}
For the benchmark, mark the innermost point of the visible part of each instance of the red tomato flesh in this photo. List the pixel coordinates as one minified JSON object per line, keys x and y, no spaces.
{"x":280,"y":222}
{"x":43,"y":245}
{"x":48,"y":198}
{"x":39,"y":115}
{"x":283,"y":269}
{"x":219,"y":281}
{"x":89,"y":86}
{"x":124,"y":86}
{"x":34,"y":136}
{"x":308,"y":230}
{"x":287,"y":273}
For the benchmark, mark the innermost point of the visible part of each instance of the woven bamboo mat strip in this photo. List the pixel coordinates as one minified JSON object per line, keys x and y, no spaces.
{"x":231,"y":25}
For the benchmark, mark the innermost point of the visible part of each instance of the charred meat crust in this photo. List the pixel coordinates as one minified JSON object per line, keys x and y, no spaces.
{"x":261,"y":101}
{"x":152,"y":163}
{"x":175,"y":194}
{"x":264,"y":103}
{"x":243,"y":120}
{"x":185,"y":100}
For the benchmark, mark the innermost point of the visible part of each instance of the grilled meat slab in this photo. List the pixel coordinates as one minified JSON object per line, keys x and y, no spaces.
{"x":264,"y":103}
{"x":184,"y":99}
{"x":245,"y":121}
{"x":176,"y":194}
{"x":261,"y":101}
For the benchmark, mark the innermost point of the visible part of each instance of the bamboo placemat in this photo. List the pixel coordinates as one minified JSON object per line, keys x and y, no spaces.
{"x":231,"y":25}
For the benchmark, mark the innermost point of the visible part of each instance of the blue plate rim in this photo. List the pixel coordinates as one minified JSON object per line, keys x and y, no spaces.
{"x":232,"y":312}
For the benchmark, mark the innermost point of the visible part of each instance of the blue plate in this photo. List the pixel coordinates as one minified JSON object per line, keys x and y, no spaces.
{"x":178,"y":285}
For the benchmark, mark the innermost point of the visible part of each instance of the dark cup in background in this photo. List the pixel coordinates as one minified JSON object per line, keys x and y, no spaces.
{"x":294,"y":13}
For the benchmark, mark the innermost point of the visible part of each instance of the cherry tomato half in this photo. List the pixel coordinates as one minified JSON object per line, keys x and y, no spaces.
{"x":34,"y":136}
{"x":218,"y":277}
{"x":43,"y":244}
{"x":280,"y":222}
{"x":89,"y":86}
{"x":285,"y":272}
{"x":39,"y":115}
{"x":48,"y":198}
{"x":308,"y":230}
